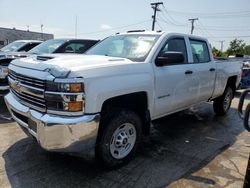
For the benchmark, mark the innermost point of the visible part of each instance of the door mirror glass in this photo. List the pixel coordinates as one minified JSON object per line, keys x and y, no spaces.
{"x":169,"y":58}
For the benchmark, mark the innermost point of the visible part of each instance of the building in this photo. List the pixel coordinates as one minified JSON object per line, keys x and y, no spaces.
{"x":9,"y":35}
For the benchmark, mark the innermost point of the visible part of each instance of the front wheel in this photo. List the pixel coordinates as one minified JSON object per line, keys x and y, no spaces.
{"x":222,"y":104}
{"x":119,"y":139}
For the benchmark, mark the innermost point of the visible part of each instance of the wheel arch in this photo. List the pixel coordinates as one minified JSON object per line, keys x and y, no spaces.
{"x":231,"y":81}
{"x":137,"y":102}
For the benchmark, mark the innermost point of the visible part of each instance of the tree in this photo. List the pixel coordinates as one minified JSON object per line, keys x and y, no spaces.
{"x":218,"y":53}
{"x":215,"y":51}
{"x":236,"y":47}
{"x":247,"y":50}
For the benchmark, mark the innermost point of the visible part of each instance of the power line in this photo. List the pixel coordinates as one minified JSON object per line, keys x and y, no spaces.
{"x":159,"y":25}
{"x":204,"y":28}
{"x":167,"y":21}
{"x":172,"y":20}
{"x":211,"y":14}
{"x":112,"y":29}
{"x":227,"y":27}
{"x":222,"y":30}
{"x":239,"y":36}
{"x":192,"y":24}
{"x":155,"y":7}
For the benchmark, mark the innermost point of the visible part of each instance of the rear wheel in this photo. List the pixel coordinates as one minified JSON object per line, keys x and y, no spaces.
{"x":222,"y":104}
{"x":119,"y":139}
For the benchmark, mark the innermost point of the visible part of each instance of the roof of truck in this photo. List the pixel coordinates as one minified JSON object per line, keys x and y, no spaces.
{"x":135,"y":32}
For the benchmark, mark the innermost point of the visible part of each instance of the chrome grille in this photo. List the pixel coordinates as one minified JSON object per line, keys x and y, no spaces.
{"x":37,"y":83}
{"x":29,"y":91}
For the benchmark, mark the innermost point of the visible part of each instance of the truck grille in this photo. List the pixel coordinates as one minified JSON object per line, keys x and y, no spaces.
{"x":28,"y":90}
{"x":3,"y":81}
{"x":34,"y":82}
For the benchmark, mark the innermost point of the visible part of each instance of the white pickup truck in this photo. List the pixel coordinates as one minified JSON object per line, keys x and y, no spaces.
{"x":104,"y":101}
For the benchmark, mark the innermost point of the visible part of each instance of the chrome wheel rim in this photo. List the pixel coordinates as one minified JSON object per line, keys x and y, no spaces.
{"x":123,"y":140}
{"x":227,"y":101}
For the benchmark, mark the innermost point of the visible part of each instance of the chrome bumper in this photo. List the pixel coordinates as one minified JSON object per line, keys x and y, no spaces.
{"x":56,"y":133}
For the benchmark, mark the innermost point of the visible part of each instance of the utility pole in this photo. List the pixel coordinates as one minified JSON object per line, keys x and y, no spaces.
{"x":221,"y":45}
{"x":192,"y":22}
{"x":76,"y":28}
{"x":155,"y":7}
{"x":42,"y":30}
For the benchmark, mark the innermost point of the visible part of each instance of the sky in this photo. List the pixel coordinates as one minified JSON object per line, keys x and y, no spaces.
{"x":218,"y":20}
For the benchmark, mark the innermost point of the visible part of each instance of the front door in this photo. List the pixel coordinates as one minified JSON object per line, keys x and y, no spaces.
{"x":176,"y":84}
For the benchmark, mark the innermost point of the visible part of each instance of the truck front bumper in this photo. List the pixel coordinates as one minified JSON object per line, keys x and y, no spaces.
{"x":56,"y":133}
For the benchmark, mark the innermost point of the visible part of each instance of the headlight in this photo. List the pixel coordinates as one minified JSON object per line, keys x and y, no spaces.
{"x":64,"y":97}
{"x":64,"y":87}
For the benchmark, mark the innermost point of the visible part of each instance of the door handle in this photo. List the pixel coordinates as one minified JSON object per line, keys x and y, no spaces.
{"x":212,"y":69}
{"x":189,"y":72}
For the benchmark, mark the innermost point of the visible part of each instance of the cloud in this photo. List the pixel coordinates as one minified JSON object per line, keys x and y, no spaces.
{"x":105,"y":26}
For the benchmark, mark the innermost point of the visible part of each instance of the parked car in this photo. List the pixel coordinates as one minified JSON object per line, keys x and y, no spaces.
{"x":20,"y":46}
{"x":10,"y":52}
{"x":78,"y":46}
{"x":104,"y":101}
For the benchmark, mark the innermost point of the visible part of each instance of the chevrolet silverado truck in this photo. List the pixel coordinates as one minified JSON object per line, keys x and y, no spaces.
{"x":55,"y":46}
{"x":104,"y":101}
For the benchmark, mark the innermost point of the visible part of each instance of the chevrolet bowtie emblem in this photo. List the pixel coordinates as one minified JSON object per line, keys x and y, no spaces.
{"x":17,"y":86}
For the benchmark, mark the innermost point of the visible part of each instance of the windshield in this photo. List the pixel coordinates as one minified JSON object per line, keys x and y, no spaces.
{"x":133,"y":47}
{"x":12,"y":47}
{"x":48,"y":46}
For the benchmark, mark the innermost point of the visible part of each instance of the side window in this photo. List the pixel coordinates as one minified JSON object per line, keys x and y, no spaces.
{"x":199,"y":51}
{"x":175,"y":45}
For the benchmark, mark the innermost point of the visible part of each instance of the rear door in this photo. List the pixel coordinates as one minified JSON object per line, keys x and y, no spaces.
{"x":204,"y":66}
{"x":176,"y":87}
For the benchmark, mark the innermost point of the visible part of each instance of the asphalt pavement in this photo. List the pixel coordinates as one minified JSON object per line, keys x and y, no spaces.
{"x":194,"y":148}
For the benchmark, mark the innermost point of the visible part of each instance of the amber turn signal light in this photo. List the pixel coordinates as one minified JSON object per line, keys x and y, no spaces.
{"x":76,"y":87}
{"x":75,"y":106}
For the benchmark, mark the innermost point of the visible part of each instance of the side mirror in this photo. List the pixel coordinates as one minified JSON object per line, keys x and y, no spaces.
{"x":169,"y":58}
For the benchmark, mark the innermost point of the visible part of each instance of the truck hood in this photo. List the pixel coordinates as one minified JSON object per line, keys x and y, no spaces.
{"x":75,"y":65}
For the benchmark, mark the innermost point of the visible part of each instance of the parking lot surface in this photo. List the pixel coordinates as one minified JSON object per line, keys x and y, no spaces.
{"x":193,"y":148}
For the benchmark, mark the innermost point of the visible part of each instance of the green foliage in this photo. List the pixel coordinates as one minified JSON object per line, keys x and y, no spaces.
{"x":247,"y":50}
{"x":236,"y":47}
{"x":218,"y":53}
{"x":215,"y":52}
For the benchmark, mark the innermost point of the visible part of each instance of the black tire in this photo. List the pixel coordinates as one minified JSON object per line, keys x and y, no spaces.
{"x":222,"y":104}
{"x":117,"y":122}
{"x":246,"y":118}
